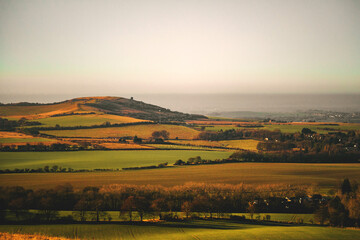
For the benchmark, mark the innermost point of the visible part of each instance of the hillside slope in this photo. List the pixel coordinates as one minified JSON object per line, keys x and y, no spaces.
{"x":95,"y":105}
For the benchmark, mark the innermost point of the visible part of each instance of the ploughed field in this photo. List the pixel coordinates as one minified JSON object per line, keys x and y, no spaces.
{"x":324,"y":176}
{"x":195,"y":229}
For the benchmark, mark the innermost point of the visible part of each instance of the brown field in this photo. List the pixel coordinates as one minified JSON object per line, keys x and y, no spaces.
{"x":38,"y":111}
{"x":142,"y":131}
{"x":326,"y":176}
{"x":4,"y":134}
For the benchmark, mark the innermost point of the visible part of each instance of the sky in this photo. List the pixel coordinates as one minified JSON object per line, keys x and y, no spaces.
{"x":109,"y":47}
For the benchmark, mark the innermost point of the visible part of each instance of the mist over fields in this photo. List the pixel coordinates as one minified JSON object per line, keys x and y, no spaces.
{"x":210,"y":103}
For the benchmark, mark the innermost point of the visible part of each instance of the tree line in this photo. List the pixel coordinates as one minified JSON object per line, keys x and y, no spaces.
{"x":164,"y":202}
{"x":295,"y":157}
{"x":213,"y":200}
{"x":11,"y":125}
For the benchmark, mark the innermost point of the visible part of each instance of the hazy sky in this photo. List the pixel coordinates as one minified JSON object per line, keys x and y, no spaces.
{"x":199,"y":46}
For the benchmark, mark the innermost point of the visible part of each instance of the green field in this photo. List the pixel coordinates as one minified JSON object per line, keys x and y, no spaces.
{"x":196,"y":229}
{"x":101,"y":159}
{"x":116,"y":216}
{"x":142,"y":131}
{"x":325,"y":176}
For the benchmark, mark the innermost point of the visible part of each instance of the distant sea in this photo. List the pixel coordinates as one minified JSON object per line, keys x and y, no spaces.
{"x":210,"y":103}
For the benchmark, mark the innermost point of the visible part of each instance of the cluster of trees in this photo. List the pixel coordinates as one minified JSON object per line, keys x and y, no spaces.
{"x":11,"y":125}
{"x":210,"y":199}
{"x":198,"y":160}
{"x":344,"y":209}
{"x":45,"y":169}
{"x":275,"y":146}
{"x":307,"y":141}
{"x":299,"y":157}
{"x":233,"y":134}
{"x":39,"y":147}
{"x":55,"y":169}
{"x":160,"y":165}
{"x":72,"y":113}
{"x":163,"y":134}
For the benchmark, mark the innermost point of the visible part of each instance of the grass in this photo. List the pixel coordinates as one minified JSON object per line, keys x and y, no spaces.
{"x":148,"y":216}
{"x":194,"y":229}
{"x":142,"y":131}
{"x":85,"y":120}
{"x":326,"y":176}
{"x":100,"y":159}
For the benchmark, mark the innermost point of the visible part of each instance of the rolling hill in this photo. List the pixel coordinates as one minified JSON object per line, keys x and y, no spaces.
{"x":95,"y":105}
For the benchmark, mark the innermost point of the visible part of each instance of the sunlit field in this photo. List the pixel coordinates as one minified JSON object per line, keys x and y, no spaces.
{"x":85,"y":120}
{"x":101,"y":159}
{"x":322,"y":176}
{"x":196,"y":229}
{"x":142,"y":131}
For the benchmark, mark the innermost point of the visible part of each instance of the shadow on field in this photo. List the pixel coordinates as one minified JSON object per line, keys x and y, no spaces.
{"x":220,"y":224}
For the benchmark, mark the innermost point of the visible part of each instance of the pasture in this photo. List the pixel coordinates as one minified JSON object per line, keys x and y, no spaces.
{"x":323,"y":176}
{"x":142,"y":131}
{"x":101,"y":159}
{"x":194,"y":229}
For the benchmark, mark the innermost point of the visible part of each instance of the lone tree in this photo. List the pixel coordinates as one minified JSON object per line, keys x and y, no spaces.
{"x":129,"y":206}
{"x":346,"y":186}
{"x":186,"y":208}
{"x":137,"y":139}
{"x":307,"y":131}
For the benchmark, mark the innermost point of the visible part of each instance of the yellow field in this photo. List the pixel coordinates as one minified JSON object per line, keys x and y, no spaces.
{"x":247,"y":144}
{"x":38,"y":111}
{"x":142,"y":131}
{"x":86,"y":120}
